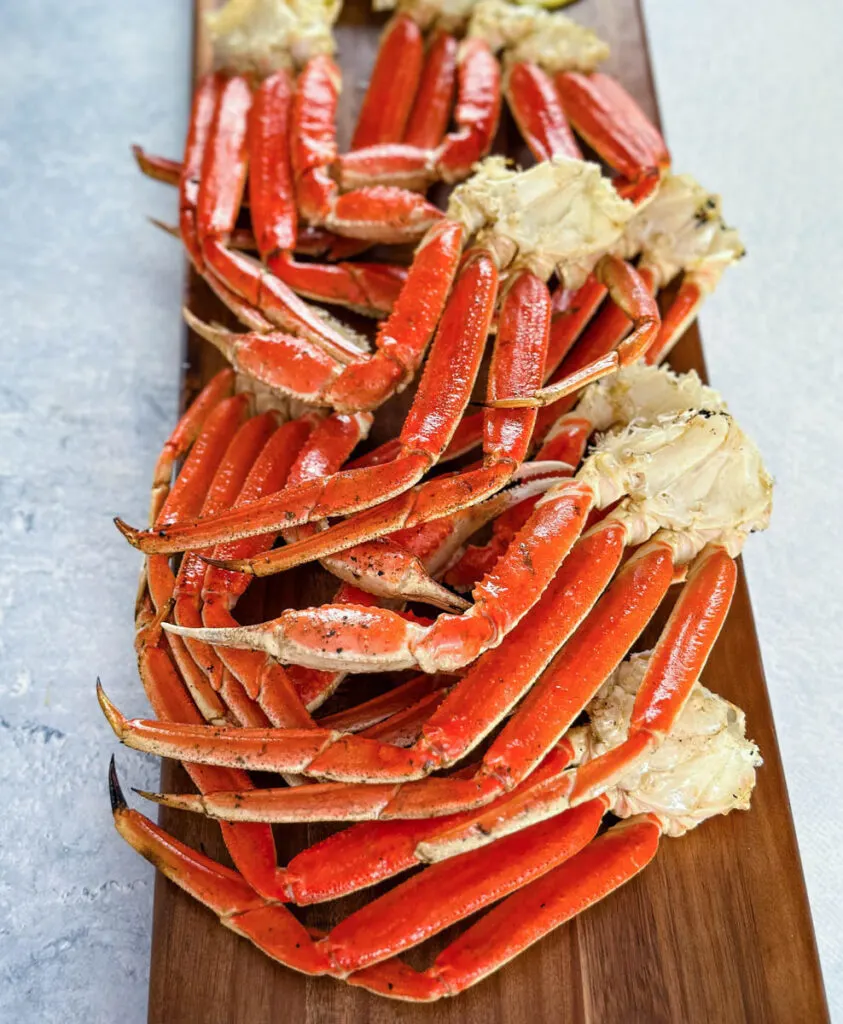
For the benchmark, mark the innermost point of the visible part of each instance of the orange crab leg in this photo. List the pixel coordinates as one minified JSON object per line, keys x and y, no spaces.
{"x":271,"y":195}
{"x":428,"y":120}
{"x":519,"y":350}
{"x":228,"y":480}
{"x":383,"y":214}
{"x":476,"y":113}
{"x":476,"y":116}
{"x":522,"y":918}
{"x":186,"y":431}
{"x":457,"y":349}
{"x":566,"y":446}
{"x":368,"y":288}
{"x":632,"y":293}
{"x":603,"y":335}
{"x":393,"y":84}
{"x":534,"y":102}
{"x":611,"y":122}
{"x":201,"y":121}
{"x":680,"y":315}
{"x":471,"y":710}
{"x":160,"y":168}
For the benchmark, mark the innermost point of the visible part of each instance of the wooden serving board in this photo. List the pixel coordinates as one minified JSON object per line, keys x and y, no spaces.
{"x":717,"y":929}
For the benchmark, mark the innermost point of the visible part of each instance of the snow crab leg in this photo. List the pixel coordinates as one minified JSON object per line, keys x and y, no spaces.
{"x":554,"y":866}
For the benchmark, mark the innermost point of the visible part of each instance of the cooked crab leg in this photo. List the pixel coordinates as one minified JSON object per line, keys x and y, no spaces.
{"x":293,"y":366}
{"x":566,"y":446}
{"x":522,"y":918}
{"x":393,"y":84}
{"x":370,"y":288}
{"x":431,"y":111}
{"x":252,"y":848}
{"x":211,"y":189}
{"x":185,"y":433}
{"x":552,"y":705}
{"x":384,"y":214}
{"x":474,"y":707}
{"x":415,"y":165}
{"x":456,"y":351}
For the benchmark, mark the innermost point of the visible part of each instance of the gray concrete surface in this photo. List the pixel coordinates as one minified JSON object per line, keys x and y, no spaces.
{"x":751,"y":95}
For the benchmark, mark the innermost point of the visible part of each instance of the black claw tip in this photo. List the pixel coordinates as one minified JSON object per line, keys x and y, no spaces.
{"x":118,"y":801}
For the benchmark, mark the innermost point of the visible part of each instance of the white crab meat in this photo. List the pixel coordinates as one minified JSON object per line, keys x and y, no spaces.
{"x":695,"y":476}
{"x":264,"y":35}
{"x":644,"y":395}
{"x":682,"y":229}
{"x":561,"y":215}
{"x":705,"y":766}
{"x":526,"y":32}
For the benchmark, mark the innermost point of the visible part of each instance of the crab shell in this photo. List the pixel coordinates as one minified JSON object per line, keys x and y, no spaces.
{"x":561,"y":215}
{"x":262,"y":36}
{"x":705,"y":766}
{"x":450,"y":15}
{"x":695,"y":476}
{"x":682,"y":229}
{"x":526,"y":32}
{"x":644,"y":395}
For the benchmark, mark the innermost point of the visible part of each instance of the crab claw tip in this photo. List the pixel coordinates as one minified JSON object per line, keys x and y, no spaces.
{"x":113,"y":716}
{"x":170,"y":229}
{"x":129,"y":532}
{"x":115,"y":793}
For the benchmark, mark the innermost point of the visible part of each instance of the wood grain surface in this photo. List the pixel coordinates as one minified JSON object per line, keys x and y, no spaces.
{"x":716,"y":930}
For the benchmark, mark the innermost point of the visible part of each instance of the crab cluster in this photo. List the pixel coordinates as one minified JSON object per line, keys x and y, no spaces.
{"x":605,"y":479}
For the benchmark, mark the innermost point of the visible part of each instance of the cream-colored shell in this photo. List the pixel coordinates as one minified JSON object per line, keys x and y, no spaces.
{"x":705,"y":766}
{"x":682,"y":229}
{"x":694,"y":476}
{"x":644,"y":395}
{"x":262,"y":36}
{"x":448,"y":14}
{"x":525,"y":32}
{"x":560,"y":215}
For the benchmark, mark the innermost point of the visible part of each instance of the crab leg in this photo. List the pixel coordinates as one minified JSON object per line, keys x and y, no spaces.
{"x":384,"y":214}
{"x":476,"y":116}
{"x":428,"y":120}
{"x":534,"y":102}
{"x":569,"y":874}
{"x":522,"y":918}
{"x":611,"y":122}
{"x":456,"y":351}
{"x":252,"y":848}
{"x":631,"y":293}
{"x":519,"y":350}
{"x":680,"y":315}
{"x":211,"y":191}
{"x":496,"y":682}
{"x":566,"y":446}
{"x":393,"y":84}
{"x":160,"y":168}
{"x":370,"y":288}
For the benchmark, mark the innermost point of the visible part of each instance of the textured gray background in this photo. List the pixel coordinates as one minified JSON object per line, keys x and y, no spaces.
{"x":751,"y":95}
